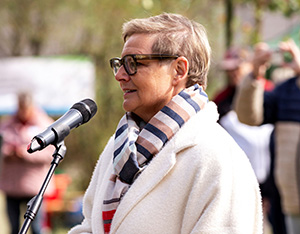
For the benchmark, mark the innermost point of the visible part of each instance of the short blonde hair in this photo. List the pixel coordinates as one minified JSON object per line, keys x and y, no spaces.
{"x":176,"y":35}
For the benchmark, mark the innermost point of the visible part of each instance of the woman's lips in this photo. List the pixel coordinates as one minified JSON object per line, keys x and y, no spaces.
{"x":128,"y":91}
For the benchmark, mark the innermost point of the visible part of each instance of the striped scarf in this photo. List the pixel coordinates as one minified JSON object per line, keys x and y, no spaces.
{"x":134,"y":146}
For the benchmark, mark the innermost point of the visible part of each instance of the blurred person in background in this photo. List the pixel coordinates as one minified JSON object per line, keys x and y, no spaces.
{"x":280,"y":107}
{"x":170,"y":167}
{"x":21,"y":173}
{"x":236,"y":64}
{"x":254,"y":140}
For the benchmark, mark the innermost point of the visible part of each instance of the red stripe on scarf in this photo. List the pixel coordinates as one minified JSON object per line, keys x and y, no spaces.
{"x":107,"y":218}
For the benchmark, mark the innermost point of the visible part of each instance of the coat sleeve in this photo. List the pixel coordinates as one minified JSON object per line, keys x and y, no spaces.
{"x":249,"y":101}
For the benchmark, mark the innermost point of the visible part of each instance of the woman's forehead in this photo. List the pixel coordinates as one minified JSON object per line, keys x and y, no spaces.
{"x":138,"y":44}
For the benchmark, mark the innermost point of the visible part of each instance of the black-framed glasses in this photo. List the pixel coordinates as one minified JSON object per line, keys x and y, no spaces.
{"x":130,"y":61}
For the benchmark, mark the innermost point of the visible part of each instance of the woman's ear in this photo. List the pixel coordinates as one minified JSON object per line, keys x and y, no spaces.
{"x":181,"y":69}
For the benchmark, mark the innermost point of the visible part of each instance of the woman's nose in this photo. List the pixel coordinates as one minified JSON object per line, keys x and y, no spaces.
{"x":122,"y":75}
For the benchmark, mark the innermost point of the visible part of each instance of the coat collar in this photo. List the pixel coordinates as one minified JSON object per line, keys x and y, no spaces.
{"x":163,"y":162}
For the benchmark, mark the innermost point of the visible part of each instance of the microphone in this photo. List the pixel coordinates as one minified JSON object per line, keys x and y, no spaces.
{"x":80,"y":113}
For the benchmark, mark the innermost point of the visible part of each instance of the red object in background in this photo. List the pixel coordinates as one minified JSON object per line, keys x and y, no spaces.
{"x":55,"y":202}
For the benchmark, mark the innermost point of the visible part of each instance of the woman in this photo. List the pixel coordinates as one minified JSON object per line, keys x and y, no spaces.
{"x":169,"y":168}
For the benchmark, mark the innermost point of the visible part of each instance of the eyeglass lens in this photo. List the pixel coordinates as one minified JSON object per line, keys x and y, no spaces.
{"x":128,"y":62}
{"x":130,"y":65}
{"x":115,"y":64}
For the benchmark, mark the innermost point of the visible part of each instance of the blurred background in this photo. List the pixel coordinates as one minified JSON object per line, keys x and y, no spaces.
{"x":60,"y":50}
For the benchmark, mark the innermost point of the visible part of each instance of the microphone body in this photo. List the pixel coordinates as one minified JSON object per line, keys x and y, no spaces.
{"x":78,"y":114}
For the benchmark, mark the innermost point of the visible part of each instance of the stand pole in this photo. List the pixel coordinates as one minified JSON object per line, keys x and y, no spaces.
{"x":34,"y":204}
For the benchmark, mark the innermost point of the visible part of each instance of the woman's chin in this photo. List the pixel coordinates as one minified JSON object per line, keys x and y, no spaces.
{"x":127,"y":106}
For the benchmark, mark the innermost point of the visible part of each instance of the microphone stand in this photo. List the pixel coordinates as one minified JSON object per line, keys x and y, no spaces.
{"x":34,"y":204}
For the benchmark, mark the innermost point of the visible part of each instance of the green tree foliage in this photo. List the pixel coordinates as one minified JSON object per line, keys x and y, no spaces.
{"x":286,"y":7}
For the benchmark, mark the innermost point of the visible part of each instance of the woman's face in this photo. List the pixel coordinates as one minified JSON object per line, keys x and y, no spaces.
{"x":151,"y":88}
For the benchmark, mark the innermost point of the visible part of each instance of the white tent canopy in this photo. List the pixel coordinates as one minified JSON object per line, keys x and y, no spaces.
{"x":56,"y":83}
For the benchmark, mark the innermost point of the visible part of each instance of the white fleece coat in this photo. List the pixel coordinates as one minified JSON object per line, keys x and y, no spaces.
{"x":200,"y":182}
